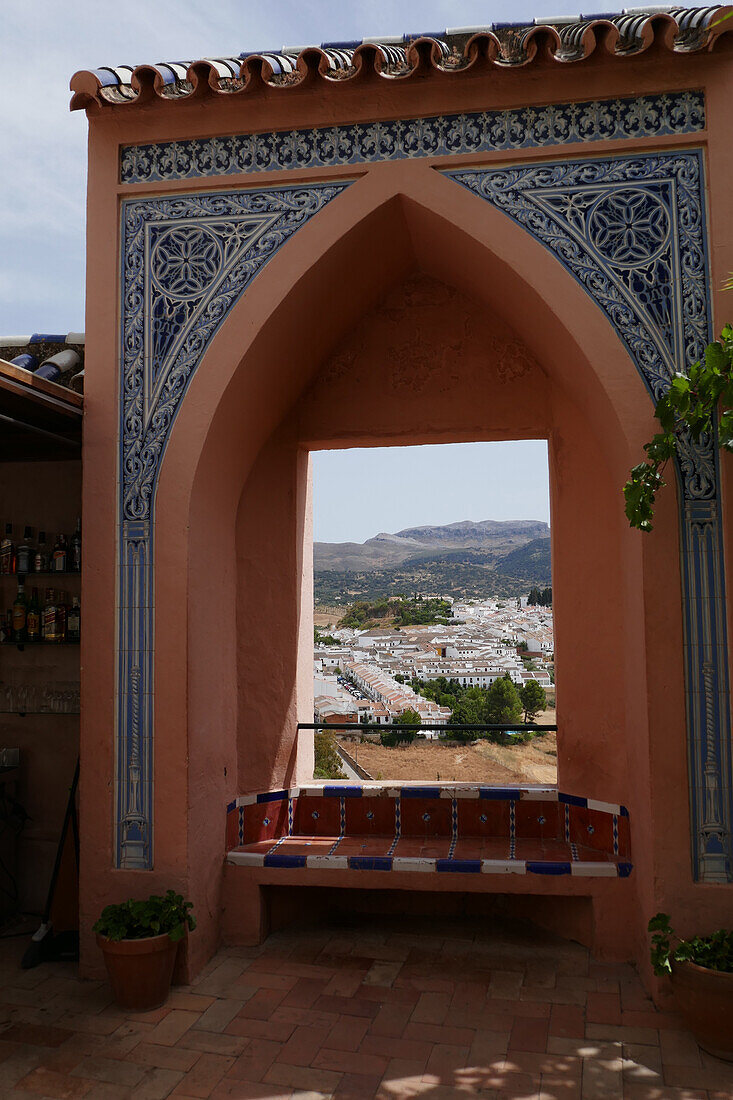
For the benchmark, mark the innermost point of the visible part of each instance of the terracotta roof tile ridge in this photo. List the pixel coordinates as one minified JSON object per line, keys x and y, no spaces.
{"x":562,"y":39}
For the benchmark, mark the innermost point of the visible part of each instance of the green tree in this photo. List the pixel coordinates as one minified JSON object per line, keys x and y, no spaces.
{"x":470,"y":709}
{"x":407,"y":718}
{"x":503,"y":702}
{"x":327,"y":760}
{"x":533,"y":699}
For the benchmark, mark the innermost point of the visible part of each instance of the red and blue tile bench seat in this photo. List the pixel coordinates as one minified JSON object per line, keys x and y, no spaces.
{"x":443,"y":829}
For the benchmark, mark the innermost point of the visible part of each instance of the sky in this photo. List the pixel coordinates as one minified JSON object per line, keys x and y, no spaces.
{"x":358,"y":493}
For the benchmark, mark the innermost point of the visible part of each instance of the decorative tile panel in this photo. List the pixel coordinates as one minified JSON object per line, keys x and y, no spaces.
{"x":434,"y":136}
{"x":632,"y":232}
{"x":186,"y":260}
{"x":454,"y":840}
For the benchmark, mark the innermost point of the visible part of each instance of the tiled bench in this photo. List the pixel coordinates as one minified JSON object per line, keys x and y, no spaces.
{"x":450,"y":828}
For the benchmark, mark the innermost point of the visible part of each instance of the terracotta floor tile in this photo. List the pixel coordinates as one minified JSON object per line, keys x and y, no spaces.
{"x":35,"y":1035}
{"x":567,"y":1021}
{"x":221,"y":1012}
{"x":410,"y":1050}
{"x":45,"y":1082}
{"x":172,"y":1027}
{"x":160,"y":1057}
{"x":304,"y":992}
{"x":231,"y":1089}
{"x":639,"y":1091}
{"x":391,"y":1020}
{"x":194,"y":1002}
{"x":646,"y":1036}
{"x":529,"y":1034}
{"x":432,"y":1008}
{"x":537,"y":1009}
{"x":355,"y":1086}
{"x":347,"y":1033}
{"x":317,"y":1079}
{"x":157,"y":1084}
{"x":433,"y":1033}
{"x":303,"y":1045}
{"x":307,"y":1017}
{"x":262,"y":1004}
{"x":258,"y":1029}
{"x":112,"y":1070}
{"x":345,"y":983}
{"x":211,"y":1042}
{"x":255,"y":1060}
{"x":340,"y":1061}
{"x":347,"y":1006}
{"x":205,"y":1075}
{"x":604,"y":1008}
{"x":718,"y":1076}
{"x":642,"y":1064}
{"x":445,"y":1060}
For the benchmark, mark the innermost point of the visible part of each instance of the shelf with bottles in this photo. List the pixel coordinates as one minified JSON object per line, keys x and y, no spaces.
{"x":37,"y":555}
{"x":35,"y":619}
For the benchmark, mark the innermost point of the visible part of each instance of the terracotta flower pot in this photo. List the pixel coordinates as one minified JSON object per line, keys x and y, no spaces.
{"x":705,"y":1003}
{"x":140,"y":971}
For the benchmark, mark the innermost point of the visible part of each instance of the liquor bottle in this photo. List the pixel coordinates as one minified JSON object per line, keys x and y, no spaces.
{"x":40,"y":558}
{"x":24,"y":554}
{"x":7,"y":551}
{"x":60,"y":554}
{"x":20,"y":611}
{"x":48,"y":617}
{"x":75,"y":562}
{"x":61,"y":612}
{"x":73,"y":621}
{"x":33,"y":618}
{"x":6,"y":628}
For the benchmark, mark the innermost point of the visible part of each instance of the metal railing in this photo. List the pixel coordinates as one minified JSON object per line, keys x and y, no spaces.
{"x":521,"y":727}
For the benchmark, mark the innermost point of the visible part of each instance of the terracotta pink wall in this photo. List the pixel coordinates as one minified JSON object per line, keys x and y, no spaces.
{"x":256,"y":392}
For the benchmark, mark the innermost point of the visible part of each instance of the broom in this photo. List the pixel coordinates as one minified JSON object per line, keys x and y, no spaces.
{"x":41,"y":942}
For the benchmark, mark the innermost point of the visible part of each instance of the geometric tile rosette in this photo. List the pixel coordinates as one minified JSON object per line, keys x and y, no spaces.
{"x":632,"y":231}
{"x":186,"y":260}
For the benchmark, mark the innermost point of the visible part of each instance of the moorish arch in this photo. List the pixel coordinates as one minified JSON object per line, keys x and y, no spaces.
{"x":225,"y":352}
{"x":246,"y":261}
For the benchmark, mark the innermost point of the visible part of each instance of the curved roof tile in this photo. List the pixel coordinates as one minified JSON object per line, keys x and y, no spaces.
{"x":565,"y":39}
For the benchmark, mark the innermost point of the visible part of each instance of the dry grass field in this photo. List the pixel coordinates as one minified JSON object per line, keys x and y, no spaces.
{"x":483,"y":762}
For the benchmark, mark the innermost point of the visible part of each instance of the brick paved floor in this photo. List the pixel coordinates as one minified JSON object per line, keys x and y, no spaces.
{"x":361,"y":1011}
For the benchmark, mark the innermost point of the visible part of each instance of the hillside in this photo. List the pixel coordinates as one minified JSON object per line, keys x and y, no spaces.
{"x":494,"y":537}
{"x":474,"y":560}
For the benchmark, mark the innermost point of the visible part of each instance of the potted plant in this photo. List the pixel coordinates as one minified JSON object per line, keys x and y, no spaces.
{"x":139,"y":941}
{"x":702,"y":980}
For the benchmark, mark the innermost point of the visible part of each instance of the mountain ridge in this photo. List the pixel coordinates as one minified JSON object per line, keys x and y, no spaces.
{"x":470,"y":558}
{"x":393,"y":548}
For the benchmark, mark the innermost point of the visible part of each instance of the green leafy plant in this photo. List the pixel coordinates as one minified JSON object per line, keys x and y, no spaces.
{"x":714,"y":952}
{"x":690,"y":407}
{"x":136,"y":920}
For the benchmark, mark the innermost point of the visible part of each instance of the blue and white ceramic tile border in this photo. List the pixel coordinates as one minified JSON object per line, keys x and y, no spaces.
{"x":434,"y":136}
{"x":187,"y":258}
{"x":633,"y":231}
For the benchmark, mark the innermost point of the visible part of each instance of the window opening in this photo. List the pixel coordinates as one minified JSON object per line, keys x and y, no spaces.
{"x":433,"y":608}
